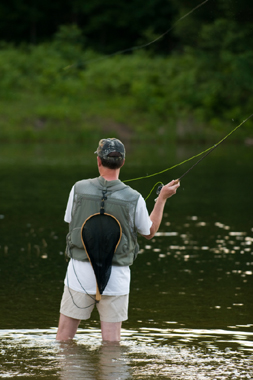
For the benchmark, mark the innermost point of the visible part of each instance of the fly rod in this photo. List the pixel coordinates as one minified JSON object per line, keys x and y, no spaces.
{"x":210,"y":150}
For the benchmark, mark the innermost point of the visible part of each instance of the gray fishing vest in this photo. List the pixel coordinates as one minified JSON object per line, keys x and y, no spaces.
{"x":121,"y":202}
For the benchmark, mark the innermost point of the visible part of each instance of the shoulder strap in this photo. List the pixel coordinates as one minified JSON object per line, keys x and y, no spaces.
{"x":102,"y":205}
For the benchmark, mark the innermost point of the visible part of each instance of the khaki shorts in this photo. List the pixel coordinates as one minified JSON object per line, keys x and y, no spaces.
{"x":80,"y":305}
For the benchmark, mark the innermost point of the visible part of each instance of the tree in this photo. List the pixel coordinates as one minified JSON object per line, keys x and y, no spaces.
{"x":108,"y":26}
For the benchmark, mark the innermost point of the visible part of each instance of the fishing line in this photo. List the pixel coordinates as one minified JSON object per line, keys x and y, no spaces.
{"x":206,"y":152}
{"x":151,"y":191}
{"x":134,"y":48}
{"x":71,"y":295}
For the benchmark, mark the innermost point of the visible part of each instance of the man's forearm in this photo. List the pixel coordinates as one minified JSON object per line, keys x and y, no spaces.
{"x":157,"y":214}
{"x":156,"y":217}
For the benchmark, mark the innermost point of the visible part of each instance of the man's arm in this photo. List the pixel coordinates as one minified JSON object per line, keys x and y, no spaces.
{"x":157,"y":213}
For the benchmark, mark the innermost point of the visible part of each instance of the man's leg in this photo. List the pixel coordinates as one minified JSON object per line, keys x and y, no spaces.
{"x":67,"y":328}
{"x":113,"y":311}
{"x":111,"y":331}
{"x":75,"y":306}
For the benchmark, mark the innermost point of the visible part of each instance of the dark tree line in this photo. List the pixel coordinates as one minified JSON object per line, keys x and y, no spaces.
{"x":112,"y":25}
{"x":105,"y":25}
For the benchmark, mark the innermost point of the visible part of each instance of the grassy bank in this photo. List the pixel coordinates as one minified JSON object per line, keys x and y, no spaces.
{"x":58,"y":92}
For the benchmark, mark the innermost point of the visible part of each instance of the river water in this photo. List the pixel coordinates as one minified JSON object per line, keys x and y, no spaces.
{"x":191,"y":309}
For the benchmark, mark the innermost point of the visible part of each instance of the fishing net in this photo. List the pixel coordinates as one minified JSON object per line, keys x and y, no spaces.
{"x":101,"y":234}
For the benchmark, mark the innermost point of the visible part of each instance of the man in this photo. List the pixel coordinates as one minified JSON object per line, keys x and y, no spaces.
{"x":128,"y":207}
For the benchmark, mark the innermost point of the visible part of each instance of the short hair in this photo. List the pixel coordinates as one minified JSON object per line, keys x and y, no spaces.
{"x":113,"y":161}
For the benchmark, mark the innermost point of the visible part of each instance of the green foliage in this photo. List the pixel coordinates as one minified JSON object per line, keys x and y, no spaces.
{"x":223,"y":56}
{"x":69,"y":41}
{"x":61,"y":91}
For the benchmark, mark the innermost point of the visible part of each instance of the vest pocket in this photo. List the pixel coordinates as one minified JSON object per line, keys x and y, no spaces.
{"x":123,"y":246}
{"x":74,"y":238}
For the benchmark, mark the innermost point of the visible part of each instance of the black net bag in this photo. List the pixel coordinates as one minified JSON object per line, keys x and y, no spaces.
{"x":101,"y":234}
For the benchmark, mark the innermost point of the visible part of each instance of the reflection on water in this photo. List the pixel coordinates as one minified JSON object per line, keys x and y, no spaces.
{"x":198,"y":274}
{"x":91,"y":361}
{"x":147,"y":353}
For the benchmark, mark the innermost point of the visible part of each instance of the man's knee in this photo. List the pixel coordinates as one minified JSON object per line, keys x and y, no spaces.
{"x":67,"y":328}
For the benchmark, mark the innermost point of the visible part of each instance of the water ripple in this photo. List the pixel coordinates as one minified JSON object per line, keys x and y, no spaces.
{"x":172,"y":353}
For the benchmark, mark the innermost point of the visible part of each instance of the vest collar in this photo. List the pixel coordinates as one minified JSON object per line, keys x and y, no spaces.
{"x":110,"y":185}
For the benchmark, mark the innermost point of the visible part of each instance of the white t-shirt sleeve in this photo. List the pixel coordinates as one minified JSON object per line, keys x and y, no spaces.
{"x":67,"y":216}
{"x":143,"y":222}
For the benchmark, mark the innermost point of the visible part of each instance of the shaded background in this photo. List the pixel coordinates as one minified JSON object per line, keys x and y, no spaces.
{"x":60,"y":79}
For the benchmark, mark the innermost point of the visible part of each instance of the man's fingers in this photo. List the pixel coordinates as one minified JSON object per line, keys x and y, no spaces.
{"x":174,"y":182}
{"x":170,"y":189}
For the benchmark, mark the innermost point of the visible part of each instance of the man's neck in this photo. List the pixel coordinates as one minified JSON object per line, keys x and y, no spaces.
{"x":108,"y":174}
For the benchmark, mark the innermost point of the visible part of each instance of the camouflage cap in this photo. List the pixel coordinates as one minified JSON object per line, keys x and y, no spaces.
{"x":110,"y":145}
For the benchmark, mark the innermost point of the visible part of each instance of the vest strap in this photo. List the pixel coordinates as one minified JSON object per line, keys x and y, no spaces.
{"x":102,"y":204}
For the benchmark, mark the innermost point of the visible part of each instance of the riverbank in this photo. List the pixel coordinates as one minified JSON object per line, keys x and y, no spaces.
{"x":41,"y":119}
{"x":44,"y":98}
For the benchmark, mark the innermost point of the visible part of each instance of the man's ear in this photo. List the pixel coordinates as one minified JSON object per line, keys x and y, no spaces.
{"x":99,"y":161}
